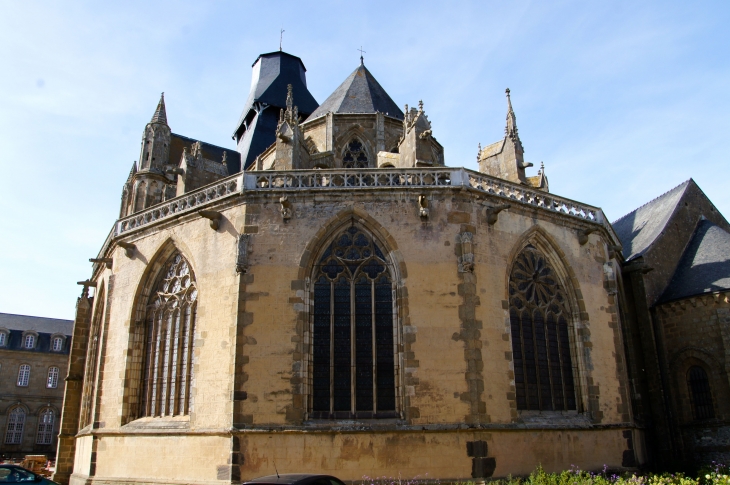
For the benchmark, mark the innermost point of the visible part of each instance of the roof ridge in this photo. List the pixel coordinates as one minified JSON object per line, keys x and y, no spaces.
{"x":686,"y":182}
{"x":33,"y":316}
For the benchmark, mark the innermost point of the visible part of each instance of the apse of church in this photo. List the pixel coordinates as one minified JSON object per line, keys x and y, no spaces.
{"x":348,"y":304}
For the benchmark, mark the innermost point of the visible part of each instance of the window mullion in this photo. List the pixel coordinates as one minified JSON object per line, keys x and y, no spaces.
{"x":332,"y":346}
{"x":374,"y":349}
{"x":353,"y":356}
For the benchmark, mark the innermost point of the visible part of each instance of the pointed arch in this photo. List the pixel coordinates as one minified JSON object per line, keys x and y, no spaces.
{"x":355,"y":310}
{"x":355,"y":149}
{"x":159,"y":372}
{"x":544,"y":313}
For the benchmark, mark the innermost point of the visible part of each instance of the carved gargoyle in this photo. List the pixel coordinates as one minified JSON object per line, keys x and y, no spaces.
{"x":423,"y":207}
{"x":286,"y":207}
{"x":492,"y":213}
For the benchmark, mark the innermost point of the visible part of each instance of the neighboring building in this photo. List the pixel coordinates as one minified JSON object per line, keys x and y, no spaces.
{"x":350,"y":304}
{"x":33,"y":361}
{"x":677,"y":285}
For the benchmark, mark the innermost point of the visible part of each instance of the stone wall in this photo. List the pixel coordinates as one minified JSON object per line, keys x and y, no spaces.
{"x":696,"y":332}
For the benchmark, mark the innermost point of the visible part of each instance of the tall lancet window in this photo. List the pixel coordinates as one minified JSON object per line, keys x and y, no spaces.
{"x":355,"y":155}
{"x":170,"y":328}
{"x":544,"y":372}
{"x":353,"y":356}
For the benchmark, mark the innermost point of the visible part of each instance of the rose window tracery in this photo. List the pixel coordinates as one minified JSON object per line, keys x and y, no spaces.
{"x":544,"y":373}
{"x":355,"y":155}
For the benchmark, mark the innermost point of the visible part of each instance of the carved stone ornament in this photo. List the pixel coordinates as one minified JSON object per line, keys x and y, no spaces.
{"x":242,"y":253}
{"x":423,"y":207}
{"x":466,"y":260}
{"x":286,"y":208}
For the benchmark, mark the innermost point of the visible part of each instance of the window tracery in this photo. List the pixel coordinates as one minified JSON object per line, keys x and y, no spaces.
{"x":16,"y":423}
{"x":353,"y":357}
{"x":544,"y":372}
{"x":700,"y":393}
{"x":170,"y":329}
{"x":355,"y":155}
{"x":46,"y":421}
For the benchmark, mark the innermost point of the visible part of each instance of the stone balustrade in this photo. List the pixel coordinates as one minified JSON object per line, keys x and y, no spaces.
{"x":362,"y":179}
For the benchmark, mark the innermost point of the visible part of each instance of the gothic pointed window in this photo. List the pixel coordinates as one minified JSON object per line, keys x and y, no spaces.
{"x":16,"y":423}
{"x":46,"y":421}
{"x":544,"y":372}
{"x":700,"y":394}
{"x":353,"y":357}
{"x":170,"y":328}
{"x":355,"y":155}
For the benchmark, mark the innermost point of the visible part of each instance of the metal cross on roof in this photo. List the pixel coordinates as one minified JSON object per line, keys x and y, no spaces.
{"x":281,"y":38}
{"x":362,"y":61}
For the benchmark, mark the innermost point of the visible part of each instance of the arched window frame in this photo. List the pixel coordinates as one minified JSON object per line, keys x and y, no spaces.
{"x":699,"y":389}
{"x":46,"y":422}
{"x":392,"y":273}
{"x":30,"y":340}
{"x":23,"y":375}
{"x":536,"y":241}
{"x":356,"y":153}
{"x":15,"y":426}
{"x":52,"y":381}
{"x":170,"y":318}
{"x":57,"y":343}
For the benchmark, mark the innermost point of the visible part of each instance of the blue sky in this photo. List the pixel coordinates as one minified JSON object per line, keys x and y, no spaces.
{"x":621,"y":100}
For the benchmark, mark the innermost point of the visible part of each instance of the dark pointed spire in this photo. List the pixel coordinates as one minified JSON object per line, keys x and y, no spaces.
{"x":511,"y":128}
{"x":160,"y":115}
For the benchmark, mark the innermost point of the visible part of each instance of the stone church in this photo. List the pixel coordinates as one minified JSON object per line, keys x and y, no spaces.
{"x":332,"y":297}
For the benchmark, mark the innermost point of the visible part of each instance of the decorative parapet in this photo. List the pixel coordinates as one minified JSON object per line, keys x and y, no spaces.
{"x":184,"y":204}
{"x":361,"y":179}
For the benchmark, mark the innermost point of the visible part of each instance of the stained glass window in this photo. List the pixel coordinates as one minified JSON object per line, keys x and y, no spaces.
{"x":544,"y":373}
{"x":353,"y":364}
{"x":700,"y":394}
{"x":169,"y":341}
{"x":355,"y":155}
{"x":16,"y":423}
{"x":45,"y":427}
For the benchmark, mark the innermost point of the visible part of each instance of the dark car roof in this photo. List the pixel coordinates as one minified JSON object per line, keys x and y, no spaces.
{"x":290,"y":478}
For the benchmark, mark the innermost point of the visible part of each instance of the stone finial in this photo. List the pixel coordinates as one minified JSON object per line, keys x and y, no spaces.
{"x":225,"y":158}
{"x":160,"y":115}
{"x":511,"y":127}
{"x":479,"y":152}
{"x":420,"y":106}
{"x":197,"y":150}
{"x":542,"y":168}
{"x":289,"y":97}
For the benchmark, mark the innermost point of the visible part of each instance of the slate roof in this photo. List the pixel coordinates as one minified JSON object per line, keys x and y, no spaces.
{"x":39,"y":324}
{"x":704,"y":266}
{"x":359,"y":93}
{"x":638,"y":229}
{"x":275,"y":71}
{"x":211,"y":152}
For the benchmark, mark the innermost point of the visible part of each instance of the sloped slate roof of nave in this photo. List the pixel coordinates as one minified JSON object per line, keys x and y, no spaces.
{"x":38,"y":324}
{"x":359,"y":93}
{"x":638,"y":229}
{"x":704,"y":266}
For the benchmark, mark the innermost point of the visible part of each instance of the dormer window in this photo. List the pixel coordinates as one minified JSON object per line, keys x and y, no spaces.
{"x":29,"y":341}
{"x":57,"y":344}
{"x":3,"y":338}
